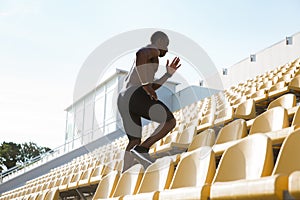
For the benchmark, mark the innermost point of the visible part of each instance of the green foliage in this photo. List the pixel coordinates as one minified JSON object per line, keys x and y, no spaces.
{"x":9,"y":154}
{"x":12,"y":154}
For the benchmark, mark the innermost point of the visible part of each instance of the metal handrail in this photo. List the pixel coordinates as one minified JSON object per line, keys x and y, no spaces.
{"x":9,"y":173}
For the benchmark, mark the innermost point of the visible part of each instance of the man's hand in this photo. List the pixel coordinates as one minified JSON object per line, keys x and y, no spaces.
{"x":150,"y":91}
{"x":171,"y":69}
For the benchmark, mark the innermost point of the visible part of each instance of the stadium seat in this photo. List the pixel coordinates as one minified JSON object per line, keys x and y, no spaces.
{"x":205,"y":138}
{"x":73,"y":184}
{"x":85,"y":178}
{"x":157,"y":177}
{"x":107,"y":185}
{"x":273,"y":122}
{"x":194,"y":171}
{"x":229,"y":135}
{"x":224,"y":116}
{"x":278,"y":89}
{"x":251,"y":158}
{"x":96,"y":175}
{"x":294,"y":184}
{"x":273,"y":187}
{"x":295,"y":84}
{"x":286,"y":101}
{"x":260,"y":95}
{"x":129,"y":182}
{"x":181,"y":145}
{"x":246,"y":110}
{"x":206,"y":122}
{"x":64,"y":184}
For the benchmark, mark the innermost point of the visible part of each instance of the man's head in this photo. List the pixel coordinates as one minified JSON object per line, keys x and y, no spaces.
{"x":161,"y":41}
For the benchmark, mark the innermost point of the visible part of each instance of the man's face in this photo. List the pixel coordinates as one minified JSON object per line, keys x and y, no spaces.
{"x":162,"y":45}
{"x":163,"y":52}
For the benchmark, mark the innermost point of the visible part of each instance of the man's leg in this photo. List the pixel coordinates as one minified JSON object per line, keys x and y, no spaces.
{"x":161,"y":131}
{"x":133,"y":128}
{"x":128,"y":158}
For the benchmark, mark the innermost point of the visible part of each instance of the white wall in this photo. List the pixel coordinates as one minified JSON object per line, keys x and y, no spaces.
{"x":267,"y":59}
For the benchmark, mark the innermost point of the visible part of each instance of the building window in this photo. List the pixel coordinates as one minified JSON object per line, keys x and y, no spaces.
{"x":252,"y":58}
{"x":289,"y":40}
{"x":225,"y":71}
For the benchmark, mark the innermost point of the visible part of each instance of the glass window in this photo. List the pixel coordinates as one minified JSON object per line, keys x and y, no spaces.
{"x":99,"y":112}
{"x":78,"y":123}
{"x":70,"y":125}
{"x":88,"y":114}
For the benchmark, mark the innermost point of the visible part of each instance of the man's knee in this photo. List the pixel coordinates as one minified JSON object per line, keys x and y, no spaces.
{"x":172,"y":123}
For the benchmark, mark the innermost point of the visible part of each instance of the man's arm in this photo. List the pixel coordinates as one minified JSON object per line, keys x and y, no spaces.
{"x":142,"y":67}
{"x":171,"y":69}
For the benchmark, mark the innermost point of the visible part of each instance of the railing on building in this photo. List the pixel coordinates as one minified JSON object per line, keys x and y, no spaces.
{"x":46,"y":157}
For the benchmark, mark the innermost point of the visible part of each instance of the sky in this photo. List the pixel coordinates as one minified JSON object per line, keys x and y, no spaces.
{"x":43,"y":45}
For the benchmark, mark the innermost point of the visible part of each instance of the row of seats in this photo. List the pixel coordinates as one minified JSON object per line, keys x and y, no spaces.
{"x":275,"y":122}
{"x":214,"y":124}
{"x":246,"y":171}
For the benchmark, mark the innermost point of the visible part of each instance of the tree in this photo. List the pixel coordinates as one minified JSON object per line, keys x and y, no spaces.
{"x":31,"y":150}
{"x":9,"y":154}
{"x":12,"y":154}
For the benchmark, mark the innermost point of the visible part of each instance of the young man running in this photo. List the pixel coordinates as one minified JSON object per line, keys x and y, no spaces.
{"x":138,"y":99}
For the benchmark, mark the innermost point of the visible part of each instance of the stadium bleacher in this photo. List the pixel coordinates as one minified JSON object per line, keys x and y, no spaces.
{"x":241,"y":143}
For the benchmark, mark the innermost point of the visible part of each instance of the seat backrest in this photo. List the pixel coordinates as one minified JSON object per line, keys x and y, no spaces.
{"x":172,"y":137}
{"x":288,"y":159}
{"x":246,"y":110}
{"x":205,"y":138}
{"x":107,"y":185}
{"x":286,"y":101}
{"x":187,"y":135}
{"x":129,"y":181}
{"x":110,"y":166}
{"x":208,"y":119}
{"x":295,"y":82}
{"x":157,"y":176}
{"x":232,"y":131}
{"x":296,"y":119}
{"x":97,"y":170}
{"x":250,"y":158}
{"x":271,"y":120}
{"x":195,"y":168}
{"x":52,"y":194}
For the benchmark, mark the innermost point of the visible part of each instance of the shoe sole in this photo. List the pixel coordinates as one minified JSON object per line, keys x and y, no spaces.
{"x":140,"y":158}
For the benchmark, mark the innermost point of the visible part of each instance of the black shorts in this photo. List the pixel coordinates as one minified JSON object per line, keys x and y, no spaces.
{"x":134,"y":104}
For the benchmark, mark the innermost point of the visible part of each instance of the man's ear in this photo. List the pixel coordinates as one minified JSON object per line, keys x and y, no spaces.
{"x":160,"y":43}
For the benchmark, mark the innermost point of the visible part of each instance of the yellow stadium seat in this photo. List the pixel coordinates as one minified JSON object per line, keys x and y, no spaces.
{"x":224,"y":116}
{"x":194,"y":171}
{"x":64,"y":184}
{"x":96,"y":174}
{"x":251,"y":158}
{"x":205,"y":138}
{"x":246,"y":110}
{"x":278,"y":89}
{"x":107,"y":185}
{"x":230,"y":135}
{"x":129,"y":182}
{"x":206,"y":122}
{"x":286,"y":101}
{"x":85,"y":178}
{"x":273,"y":187}
{"x":73,"y":184}
{"x":273,"y":122}
{"x":157,"y":177}
{"x":296,"y":119}
{"x":295,"y":84}
{"x":181,"y":145}
{"x":260,"y":95}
